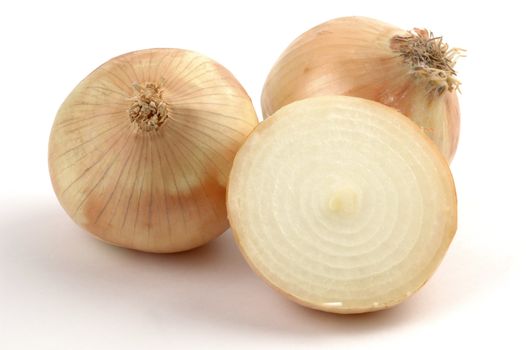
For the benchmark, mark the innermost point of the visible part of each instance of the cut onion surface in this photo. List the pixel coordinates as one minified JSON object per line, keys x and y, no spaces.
{"x":342,"y":204}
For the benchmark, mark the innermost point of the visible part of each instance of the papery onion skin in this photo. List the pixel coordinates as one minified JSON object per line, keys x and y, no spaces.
{"x":141,"y":150}
{"x":357,"y":56}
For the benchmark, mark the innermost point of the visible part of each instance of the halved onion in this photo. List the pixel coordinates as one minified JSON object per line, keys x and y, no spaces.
{"x":140,"y":151}
{"x":342,"y":204}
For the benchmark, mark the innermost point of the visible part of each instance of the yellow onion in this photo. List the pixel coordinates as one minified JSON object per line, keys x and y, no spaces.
{"x":141,"y":150}
{"x":358,"y":212}
{"x":412,"y":71}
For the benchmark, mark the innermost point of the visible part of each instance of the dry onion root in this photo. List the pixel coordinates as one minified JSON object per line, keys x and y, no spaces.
{"x":412,"y":71}
{"x":140,"y":151}
{"x":342,"y":204}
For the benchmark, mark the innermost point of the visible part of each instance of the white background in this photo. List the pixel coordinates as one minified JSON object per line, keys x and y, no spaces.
{"x":62,"y":289}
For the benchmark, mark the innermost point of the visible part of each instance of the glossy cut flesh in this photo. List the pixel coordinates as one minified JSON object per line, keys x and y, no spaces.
{"x":341,"y":204}
{"x":157,"y":191}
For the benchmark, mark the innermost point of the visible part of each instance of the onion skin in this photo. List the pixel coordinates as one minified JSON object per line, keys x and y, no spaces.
{"x":355,"y":56}
{"x":151,"y":184}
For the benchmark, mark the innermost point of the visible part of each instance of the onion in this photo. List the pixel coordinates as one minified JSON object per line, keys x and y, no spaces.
{"x":412,"y":71}
{"x":141,"y":150}
{"x":358,"y":212}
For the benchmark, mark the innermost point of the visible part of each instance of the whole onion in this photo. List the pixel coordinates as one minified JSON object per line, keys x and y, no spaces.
{"x":412,"y":71}
{"x":140,"y":152}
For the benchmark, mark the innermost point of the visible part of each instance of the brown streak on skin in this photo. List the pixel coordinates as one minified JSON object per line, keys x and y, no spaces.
{"x":215,"y":193}
{"x":452,"y":106}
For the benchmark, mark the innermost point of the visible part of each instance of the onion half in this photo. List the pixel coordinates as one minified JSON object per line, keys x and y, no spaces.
{"x":412,"y":71}
{"x":141,"y":150}
{"x":341,"y":204}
